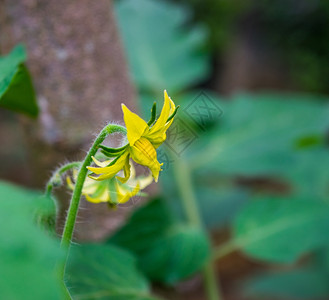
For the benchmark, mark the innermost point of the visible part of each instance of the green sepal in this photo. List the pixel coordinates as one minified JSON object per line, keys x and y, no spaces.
{"x":112,"y":152}
{"x":113,"y":193}
{"x":173,"y":114}
{"x":153,"y":114}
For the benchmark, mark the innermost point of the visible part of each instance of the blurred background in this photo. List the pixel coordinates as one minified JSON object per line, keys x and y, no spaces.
{"x":246,"y":158}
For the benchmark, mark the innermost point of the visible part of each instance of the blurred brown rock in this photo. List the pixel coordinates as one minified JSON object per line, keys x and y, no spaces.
{"x":81,"y":78}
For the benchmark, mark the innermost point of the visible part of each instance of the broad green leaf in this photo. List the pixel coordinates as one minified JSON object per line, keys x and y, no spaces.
{"x":310,"y":177}
{"x":320,"y":259}
{"x":16,"y":88}
{"x":258,"y":135}
{"x":281,"y":230}
{"x":162,"y":54}
{"x":180,"y":253}
{"x":300,"y":284}
{"x":144,"y":227}
{"x":166,"y":252}
{"x":28,"y":254}
{"x":104,"y":272}
{"x":218,"y":204}
{"x":324,"y":259}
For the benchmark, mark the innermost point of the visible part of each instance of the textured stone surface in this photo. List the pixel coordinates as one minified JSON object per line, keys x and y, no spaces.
{"x":76,"y":60}
{"x":81,"y":77}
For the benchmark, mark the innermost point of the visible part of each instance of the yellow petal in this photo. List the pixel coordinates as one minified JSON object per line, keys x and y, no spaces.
{"x":158,"y":139}
{"x":90,"y":186}
{"x":91,"y":199}
{"x":126,"y":170}
{"x":69,"y":183}
{"x":124,"y":194}
{"x":133,"y":171}
{"x":172,"y":104}
{"x":100,"y":194}
{"x":145,"y":181}
{"x":165,"y":112}
{"x":95,"y":199}
{"x":75,"y":173}
{"x":144,"y":154}
{"x":142,"y":181}
{"x":109,"y":172}
{"x":157,"y":134}
{"x":102,"y":164}
{"x":172,"y":109}
{"x":135,"y":125}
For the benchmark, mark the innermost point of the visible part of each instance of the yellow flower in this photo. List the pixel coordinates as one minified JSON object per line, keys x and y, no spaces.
{"x":111,"y":190}
{"x":143,"y":139}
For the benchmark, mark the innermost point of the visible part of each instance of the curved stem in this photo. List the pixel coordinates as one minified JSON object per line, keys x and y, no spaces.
{"x":211,"y":284}
{"x":185,"y":185}
{"x":225,"y":249}
{"x":186,"y":190}
{"x":75,"y":200}
{"x":57,"y":174}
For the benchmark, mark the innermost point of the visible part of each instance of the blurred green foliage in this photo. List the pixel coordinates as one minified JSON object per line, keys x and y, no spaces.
{"x":281,"y":229}
{"x":258,"y":133}
{"x":167,"y":251}
{"x":97,"y":271}
{"x":278,"y":138}
{"x":16,"y":89}
{"x":305,"y":283}
{"x":219,"y":16}
{"x":275,"y":137}
{"x":162,"y":54}
{"x":28,"y":254}
{"x":256,"y":138}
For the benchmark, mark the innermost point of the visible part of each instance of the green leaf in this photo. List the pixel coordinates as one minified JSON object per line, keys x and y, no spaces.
{"x":166,"y":252}
{"x":300,"y":284}
{"x":257,"y":135}
{"x":310,"y":177}
{"x":144,"y":227}
{"x":104,"y":272}
{"x":218,"y":204}
{"x":281,"y":230}
{"x":28,"y":254}
{"x":16,"y":88}
{"x":161,"y":54}
{"x":180,"y":253}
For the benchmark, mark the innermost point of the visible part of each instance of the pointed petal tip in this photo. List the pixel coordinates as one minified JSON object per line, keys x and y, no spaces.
{"x":93,"y":177}
{"x":124,"y":107}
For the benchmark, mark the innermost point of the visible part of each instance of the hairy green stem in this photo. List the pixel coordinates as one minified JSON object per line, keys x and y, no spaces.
{"x":75,"y":200}
{"x":58,"y":173}
{"x":184,"y":180}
